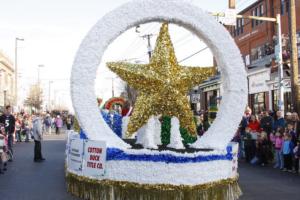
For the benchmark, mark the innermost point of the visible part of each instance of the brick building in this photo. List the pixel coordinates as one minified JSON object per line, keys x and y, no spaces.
{"x":256,"y":40}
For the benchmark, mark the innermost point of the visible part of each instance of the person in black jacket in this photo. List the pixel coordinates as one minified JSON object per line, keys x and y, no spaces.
{"x":9,"y":124}
{"x":266,"y":123}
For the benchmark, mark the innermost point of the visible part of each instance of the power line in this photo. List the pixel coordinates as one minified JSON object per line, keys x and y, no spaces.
{"x":188,"y":57}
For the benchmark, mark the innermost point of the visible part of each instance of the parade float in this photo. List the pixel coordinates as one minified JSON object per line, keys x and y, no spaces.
{"x":106,"y":166}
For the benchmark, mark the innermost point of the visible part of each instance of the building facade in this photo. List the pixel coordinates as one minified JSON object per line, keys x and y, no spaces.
{"x":7,"y":77}
{"x":256,"y":40}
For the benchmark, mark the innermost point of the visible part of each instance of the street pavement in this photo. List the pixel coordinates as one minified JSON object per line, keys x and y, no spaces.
{"x":26,"y":180}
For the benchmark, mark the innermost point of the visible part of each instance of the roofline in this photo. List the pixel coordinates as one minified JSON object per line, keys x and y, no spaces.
{"x":250,"y":6}
{"x":4,"y":59}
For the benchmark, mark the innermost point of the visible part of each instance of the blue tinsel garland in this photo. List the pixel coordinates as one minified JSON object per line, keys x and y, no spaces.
{"x":118,"y":154}
{"x":114,"y":122}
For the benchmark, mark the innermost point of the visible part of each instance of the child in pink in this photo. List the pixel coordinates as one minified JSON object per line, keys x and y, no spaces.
{"x":3,"y":149}
{"x":277,"y":141}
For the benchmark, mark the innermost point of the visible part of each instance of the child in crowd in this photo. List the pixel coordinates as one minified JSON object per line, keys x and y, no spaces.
{"x":249,"y":145}
{"x":290,"y":130}
{"x":297,"y":156}
{"x":263,"y":149}
{"x":287,"y":150}
{"x":3,"y":149}
{"x":277,"y":141}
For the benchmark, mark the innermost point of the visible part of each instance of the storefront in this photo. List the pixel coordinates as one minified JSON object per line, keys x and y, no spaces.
{"x":211,"y":93}
{"x":258,"y":89}
{"x":273,"y":86}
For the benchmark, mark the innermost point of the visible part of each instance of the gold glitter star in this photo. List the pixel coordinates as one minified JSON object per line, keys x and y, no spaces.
{"x":162,"y":85}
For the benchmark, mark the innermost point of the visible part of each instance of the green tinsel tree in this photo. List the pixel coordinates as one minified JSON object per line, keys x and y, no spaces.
{"x":166,"y":132}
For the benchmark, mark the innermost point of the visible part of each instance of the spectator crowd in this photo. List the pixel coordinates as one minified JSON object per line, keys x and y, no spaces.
{"x":23,"y":127}
{"x":270,"y":138}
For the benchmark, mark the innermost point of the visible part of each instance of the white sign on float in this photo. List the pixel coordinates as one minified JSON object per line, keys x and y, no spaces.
{"x":75,"y":155}
{"x":94,"y":158}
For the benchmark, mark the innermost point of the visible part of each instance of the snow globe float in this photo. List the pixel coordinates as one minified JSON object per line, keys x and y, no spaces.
{"x":144,"y":168}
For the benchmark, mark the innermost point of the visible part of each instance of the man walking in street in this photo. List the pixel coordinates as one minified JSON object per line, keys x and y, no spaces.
{"x":47,"y":124}
{"x":37,"y":135}
{"x":9,"y":124}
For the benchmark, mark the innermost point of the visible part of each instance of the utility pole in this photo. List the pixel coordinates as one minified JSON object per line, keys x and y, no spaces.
{"x":278,"y":52}
{"x":16,"y":69}
{"x":149,"y":47}
{"x":294,"y":57}
{"x":112,"y":87}
{"x":231,"y":4}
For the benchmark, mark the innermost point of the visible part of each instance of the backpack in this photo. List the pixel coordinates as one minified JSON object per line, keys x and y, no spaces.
{"x":48,"y":121}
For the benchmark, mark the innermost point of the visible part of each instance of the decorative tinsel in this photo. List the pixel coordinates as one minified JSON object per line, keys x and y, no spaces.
{"x":166,"y":129}
{"x":114,"y":121}
{"x":82,"y":135}
{"x":117,"y":124}
{"x":93,"y":189}
{"x":118,"y":154}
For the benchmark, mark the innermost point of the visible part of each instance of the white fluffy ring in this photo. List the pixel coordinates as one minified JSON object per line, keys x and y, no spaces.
{"x":181,"y":13}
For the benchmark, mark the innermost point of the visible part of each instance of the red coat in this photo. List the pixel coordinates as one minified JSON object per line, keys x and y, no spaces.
{"x":254,"y":126}
{"x":124,"y":111}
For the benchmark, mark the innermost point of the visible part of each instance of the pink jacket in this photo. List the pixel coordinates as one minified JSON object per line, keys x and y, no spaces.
{"x":277,"y":141}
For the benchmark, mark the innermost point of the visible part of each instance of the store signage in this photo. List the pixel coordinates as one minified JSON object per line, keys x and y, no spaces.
{"x":230,"y":17}
{"x":195,"y":98}
{"x":248,"y":35}
{"x":75,"y":154}
{"x":286,"y":84}
{"x":257,"y":82}
{"x":94,"y":158}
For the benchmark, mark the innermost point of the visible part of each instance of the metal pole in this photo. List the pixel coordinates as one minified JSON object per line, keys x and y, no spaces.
{"x":112,"y":87}
{"x":280,"y":67}
{"x":294,"y":58}
{"x":16,"y":69}
{"x":149,"y":46}
{"x":49,"y":96}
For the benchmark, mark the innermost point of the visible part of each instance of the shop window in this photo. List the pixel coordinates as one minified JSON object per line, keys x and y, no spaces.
{"x":242,"y":25}
{"x":259,"y":102}
{"x":282,"y":7}
{"x":288,"y":101}
{"x":275,"y":100}
{"x":253,"y":21}
{"x":261,"y":12}
{"x":256,"y":14}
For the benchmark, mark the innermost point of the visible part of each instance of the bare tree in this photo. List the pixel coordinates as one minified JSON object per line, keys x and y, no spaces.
{"x":34,"y":99}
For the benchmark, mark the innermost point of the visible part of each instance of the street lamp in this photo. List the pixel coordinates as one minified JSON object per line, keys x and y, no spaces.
{"x":39,"y":66}
{"x":49,"y":96}
{"x":16,"y":68}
